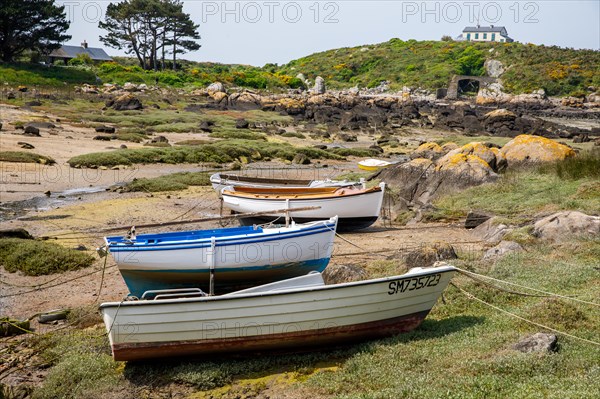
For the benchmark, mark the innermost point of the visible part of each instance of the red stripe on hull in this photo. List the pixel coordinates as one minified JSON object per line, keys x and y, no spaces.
{"x":292,"y":341}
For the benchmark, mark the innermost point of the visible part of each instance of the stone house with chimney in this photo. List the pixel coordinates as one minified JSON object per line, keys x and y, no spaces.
{"x":66,"y":53}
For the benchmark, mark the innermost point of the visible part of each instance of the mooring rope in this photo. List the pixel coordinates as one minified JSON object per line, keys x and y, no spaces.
{"x":102,"y":278}
{"x":53,"y":285}
{"x":546,"y":293}
{"x":471,"y":296}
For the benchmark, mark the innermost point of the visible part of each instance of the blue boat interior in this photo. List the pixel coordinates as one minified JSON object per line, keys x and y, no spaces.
{"x":187,"y":235}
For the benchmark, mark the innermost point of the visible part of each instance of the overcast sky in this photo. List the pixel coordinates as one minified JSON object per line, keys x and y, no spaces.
{"x":258,"y":32}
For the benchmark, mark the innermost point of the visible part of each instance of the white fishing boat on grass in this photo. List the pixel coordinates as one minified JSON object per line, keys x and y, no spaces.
{"x":235,"y":257}
{"x":295,"y":314}
{"x":357,"y":208}
{"x":221,"y":180}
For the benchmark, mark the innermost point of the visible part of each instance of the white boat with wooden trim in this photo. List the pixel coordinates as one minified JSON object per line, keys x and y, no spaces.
{"x":295,"y":314}
{"x":221,"y":180}
{"x":357,"y":208}
{"x":236,"y":257}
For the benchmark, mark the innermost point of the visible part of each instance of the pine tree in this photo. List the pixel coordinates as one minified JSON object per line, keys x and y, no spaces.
{"x":37,"y":25}
{"x":148,"y":28}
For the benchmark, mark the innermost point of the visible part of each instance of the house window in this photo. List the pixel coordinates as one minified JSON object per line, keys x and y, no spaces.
{"x":493,"y":37}
{"x":476,"y":36}
{"x":501,"y":40}
{"x":468,"y":36}
{"x":484,"y":36}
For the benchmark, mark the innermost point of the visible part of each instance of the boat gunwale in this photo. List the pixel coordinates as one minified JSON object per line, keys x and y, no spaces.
{"x":223,"y":178}
{"x":408,"y":275}
{"x":318,"y":227}
{"x":269,"y":195}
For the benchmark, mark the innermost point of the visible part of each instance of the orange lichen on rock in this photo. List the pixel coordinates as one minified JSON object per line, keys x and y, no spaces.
{"x":424,"y":162}
{"x":477,"y":149}
{"x":529,"y":148}
{"x":428,"y":150}
{"x":430,"y":146}
{"x":457,"y":160}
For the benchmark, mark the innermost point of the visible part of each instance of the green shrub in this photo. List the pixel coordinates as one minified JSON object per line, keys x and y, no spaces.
{"x":238,"y":134}
{"x":81,"y":365}
{"x":171,"y":182}
{"x":38,"y":75}
{"x":353,"y":152}
{"x":295,"y":83}
{"x":293,"y":134}
{"x":218,"y":152}
{"x":81,"y":59}
{"x":471,"y":62}
{"x":27,"y":157}
{"x":35,"y":258}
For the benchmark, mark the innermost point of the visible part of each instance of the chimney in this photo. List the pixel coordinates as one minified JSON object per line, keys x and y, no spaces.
{"x":84,"y":44}
{"x":492,"y":26}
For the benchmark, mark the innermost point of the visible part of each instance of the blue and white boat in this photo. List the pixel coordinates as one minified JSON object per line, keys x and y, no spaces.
{"x":236,"y":257}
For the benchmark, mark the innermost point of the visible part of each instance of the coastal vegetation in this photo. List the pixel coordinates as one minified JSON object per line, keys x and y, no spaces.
{"x":462,"y":339}
{"x":27,"y":157}
{"x":36,"y":258}
{"x":171,"y":182}
{"x":230,"y":150}
{"x":520,"y":195}
{"x":416,"y":64}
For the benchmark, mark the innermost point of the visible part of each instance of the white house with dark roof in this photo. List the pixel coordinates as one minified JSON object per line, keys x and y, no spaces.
{"x":485,"y":34}
{"x":67,"y":53}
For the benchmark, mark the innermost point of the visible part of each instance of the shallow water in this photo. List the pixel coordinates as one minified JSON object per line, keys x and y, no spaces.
{"x":18,"y":209}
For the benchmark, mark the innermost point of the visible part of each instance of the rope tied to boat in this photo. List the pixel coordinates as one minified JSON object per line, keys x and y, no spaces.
{"x":101,"y":279}
{"x":544,"y":294}
{"x":473,"y":297}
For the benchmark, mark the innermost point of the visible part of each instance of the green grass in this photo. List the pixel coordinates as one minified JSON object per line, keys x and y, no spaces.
{"x":36,"y":258}
{"x":520,"y":195}
{"x":194,"y":142}
{"x":238,"y":134}
{"x":293,"y":134}
{"x":425,"y":64}
{"x":354,"y":176}
{"x":81,"y":366}
{"x":37,"y":75}
{"x":171,"y":182}
{"x":131,"y":137}
{"x":27,"y":157}
{"x":353,"y":152}
{"x":431,"y":64}
{"x":462,"y":350}
{"x":584,"y":165}
{"x":461,"y":140}
{"x":219,"y":152}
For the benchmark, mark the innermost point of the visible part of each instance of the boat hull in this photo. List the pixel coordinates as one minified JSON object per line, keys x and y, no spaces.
{"x":239,"y":261}
{"x":289,"y":320}
{"x":354,"y":212}
{"x":282,"y":342}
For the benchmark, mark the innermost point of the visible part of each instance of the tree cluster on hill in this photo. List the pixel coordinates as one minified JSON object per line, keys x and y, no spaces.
{"x":150,"y":29}
{"x":31,"y":25}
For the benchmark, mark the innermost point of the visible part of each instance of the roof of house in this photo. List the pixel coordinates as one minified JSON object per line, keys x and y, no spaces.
{"x":484,"y":29}
{"x":96,"y":54}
